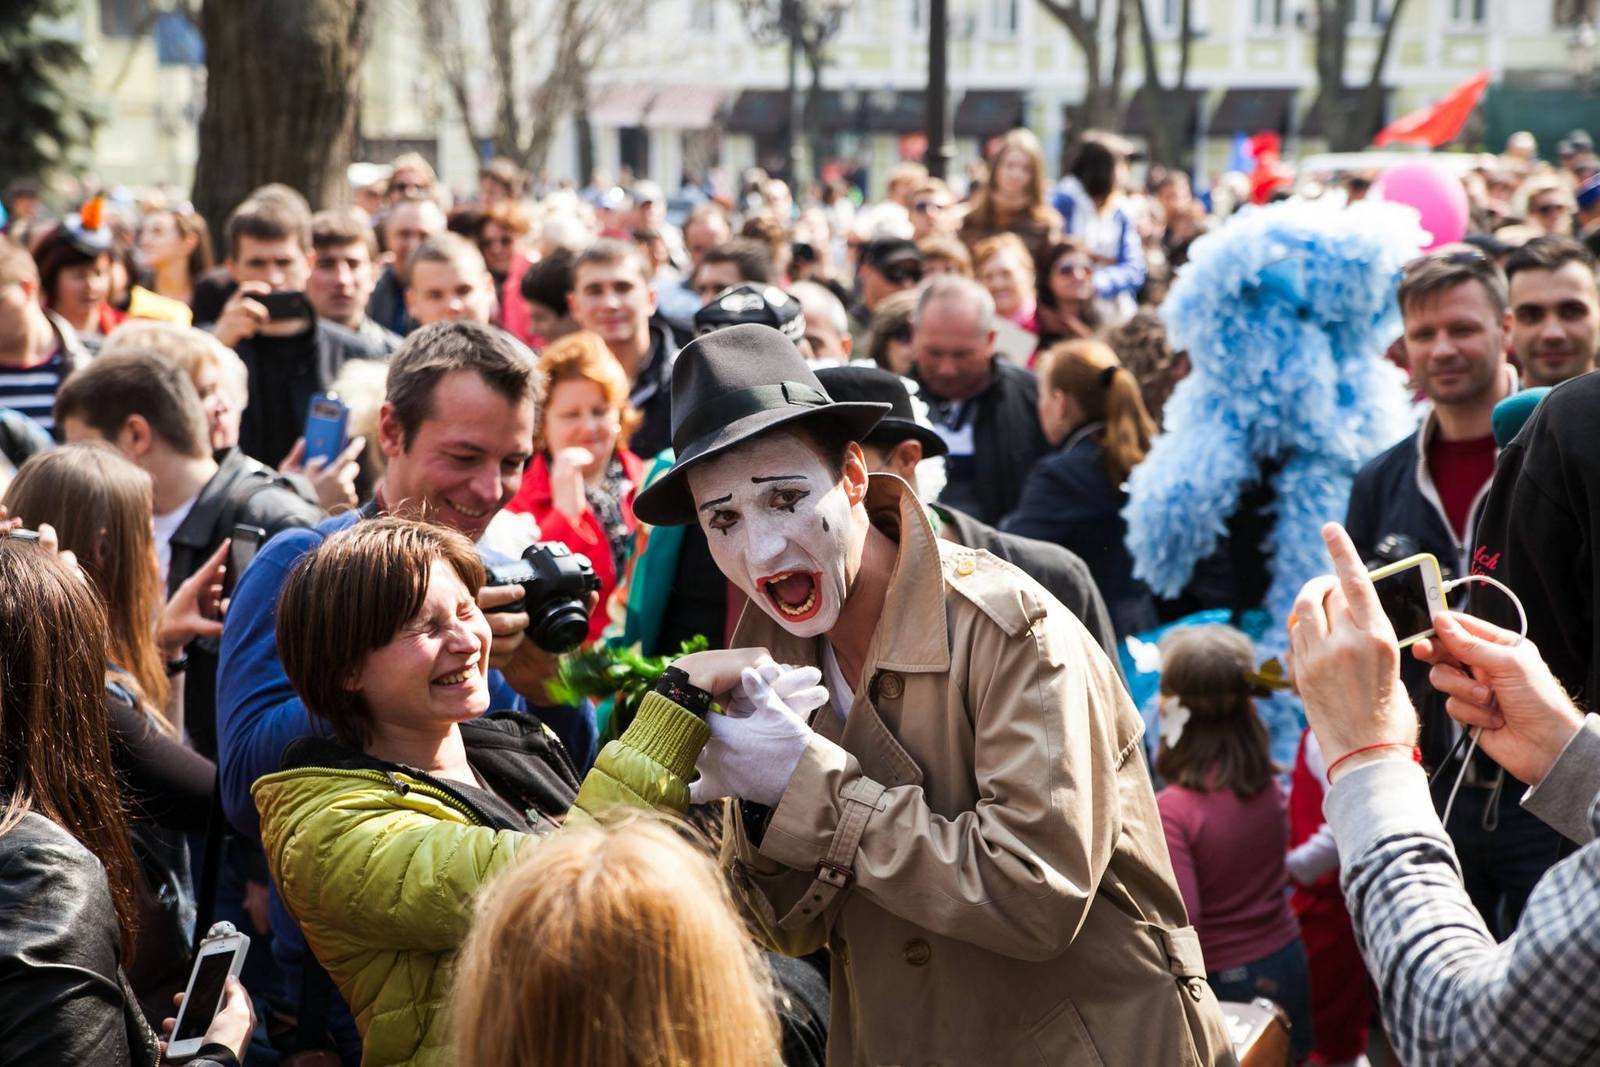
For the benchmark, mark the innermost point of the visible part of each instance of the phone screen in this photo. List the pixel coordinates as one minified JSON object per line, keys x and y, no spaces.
{"x":1404,"y":597}
{"x":205,"y":995}
{"x":246,"y":541}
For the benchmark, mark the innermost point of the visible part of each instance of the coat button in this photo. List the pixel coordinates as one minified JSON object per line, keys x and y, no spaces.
{"x":891,"y":685}
{"x":965,"y":566}
{"x":1197,"y":990}
{"x":917,"y":952}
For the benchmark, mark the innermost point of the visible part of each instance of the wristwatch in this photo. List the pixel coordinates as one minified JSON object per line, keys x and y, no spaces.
{"x":178,"y":666}
{"x":674,"y":684}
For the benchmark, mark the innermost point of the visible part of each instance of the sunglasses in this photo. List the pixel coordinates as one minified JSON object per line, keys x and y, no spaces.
{"x":1550,"y":209}
{"x":909,"y":274}
{"x":926,"y":206}
{"x":1074,"y":266}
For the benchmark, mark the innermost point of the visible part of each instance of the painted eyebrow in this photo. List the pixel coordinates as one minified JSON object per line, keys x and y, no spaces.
{"x":778,"y":478}
{"x":713,"y":503}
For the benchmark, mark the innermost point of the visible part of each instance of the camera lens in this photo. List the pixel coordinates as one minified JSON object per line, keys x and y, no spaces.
{"x":561,"y":627}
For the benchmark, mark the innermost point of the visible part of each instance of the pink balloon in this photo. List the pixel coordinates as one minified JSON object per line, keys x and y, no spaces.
{"x":1436,"y":194}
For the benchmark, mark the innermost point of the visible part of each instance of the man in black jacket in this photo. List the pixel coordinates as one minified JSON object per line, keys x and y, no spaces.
{"x":985,"y":408}
{"x":144,"y":404}
{"x":292,"y":357}
{"x":899,"y":443}
{"x":1423,"y":495}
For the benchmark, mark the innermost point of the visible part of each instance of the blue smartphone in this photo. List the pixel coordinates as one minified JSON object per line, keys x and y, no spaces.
{"x":326,"y":422}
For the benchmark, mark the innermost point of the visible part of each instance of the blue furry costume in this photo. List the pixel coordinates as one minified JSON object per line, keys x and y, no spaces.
{"x":1285,"y":313}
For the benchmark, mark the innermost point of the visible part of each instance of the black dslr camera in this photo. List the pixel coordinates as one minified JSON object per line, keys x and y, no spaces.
{"x":556,"y":583}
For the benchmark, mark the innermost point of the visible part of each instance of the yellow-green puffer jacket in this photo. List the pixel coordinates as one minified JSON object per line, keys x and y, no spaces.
{"x":380,"y":870}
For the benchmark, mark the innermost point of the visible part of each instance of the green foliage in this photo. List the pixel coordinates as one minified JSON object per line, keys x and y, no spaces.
{"x":603,"y":671}
{"x":47,"y":117}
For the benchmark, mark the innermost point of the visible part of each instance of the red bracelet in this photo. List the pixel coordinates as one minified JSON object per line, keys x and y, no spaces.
{"x":1369,"y":748}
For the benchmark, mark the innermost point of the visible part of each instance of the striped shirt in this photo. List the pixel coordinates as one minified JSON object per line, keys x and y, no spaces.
{"x":32,"y":390}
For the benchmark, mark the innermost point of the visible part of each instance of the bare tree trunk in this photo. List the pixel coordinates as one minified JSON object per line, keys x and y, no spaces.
{"x":502,"y":25}
{"x":1349,"y":115}
{"x":438,"y":18}
{"x":281,"y":99}
{"x":1102,"y":99}
{"x":1167,"y":107}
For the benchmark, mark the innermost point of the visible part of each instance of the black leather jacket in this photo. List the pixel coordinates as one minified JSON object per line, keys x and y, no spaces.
{"x":63,"y":998}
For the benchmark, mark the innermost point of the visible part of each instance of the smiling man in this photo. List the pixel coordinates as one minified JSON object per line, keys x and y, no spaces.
{"x":1425,"y":495}
{"x":966,"y":819}
{"x":1555,"y":309}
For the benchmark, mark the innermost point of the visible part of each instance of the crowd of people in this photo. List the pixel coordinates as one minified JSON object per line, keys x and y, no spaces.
{"x":857,"y":472}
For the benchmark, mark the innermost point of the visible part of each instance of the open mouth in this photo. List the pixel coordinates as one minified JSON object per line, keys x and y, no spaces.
{"x":796,"y":594}
{"x":470,"y":513}
{"x":459,"y":677}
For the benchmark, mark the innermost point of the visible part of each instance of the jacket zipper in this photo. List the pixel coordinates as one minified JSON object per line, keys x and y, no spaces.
{"x":431,"y":785}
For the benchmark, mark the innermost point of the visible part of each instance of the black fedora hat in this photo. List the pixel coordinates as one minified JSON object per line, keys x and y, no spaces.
{"x":861,"y":382}
{"x":727,"y":387}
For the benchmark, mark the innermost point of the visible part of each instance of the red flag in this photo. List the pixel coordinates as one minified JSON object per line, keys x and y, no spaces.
{"x":1439,"y":122}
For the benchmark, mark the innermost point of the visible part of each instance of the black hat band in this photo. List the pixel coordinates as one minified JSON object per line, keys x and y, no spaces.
{"x":731,"y":407}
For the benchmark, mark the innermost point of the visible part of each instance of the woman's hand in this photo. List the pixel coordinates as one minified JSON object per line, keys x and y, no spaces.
{"x":567,"y":482}
{"x":231,"y":1027}
{"x":334,"y":482}
{"x":195,"y":610}
{"x":1347,"y":663}
{"x":718,"y":670}
{"x":1525,"y":716}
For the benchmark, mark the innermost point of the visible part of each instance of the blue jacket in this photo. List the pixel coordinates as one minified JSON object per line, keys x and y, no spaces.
{"x":1068,"y":500}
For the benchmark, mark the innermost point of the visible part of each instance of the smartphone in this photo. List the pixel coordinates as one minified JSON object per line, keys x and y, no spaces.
{"x":246,"y":542}
{"x":290,"y":304}
{"x":1412,"y":593}
{"x":326,"y":422}
{"x":219,"y":958}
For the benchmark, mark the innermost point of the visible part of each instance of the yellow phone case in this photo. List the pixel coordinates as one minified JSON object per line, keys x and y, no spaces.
{"x":1424,"y":559}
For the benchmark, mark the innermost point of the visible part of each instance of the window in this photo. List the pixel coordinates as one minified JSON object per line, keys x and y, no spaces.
{"x":1004,"y":16}
{"x":1167,"y":15}
{"x":703,"y":16}
{"x":1370,"y":13}
{"x":1571,"y":13}
{"x":1468,"y":12}
{"x":1267,"y":15}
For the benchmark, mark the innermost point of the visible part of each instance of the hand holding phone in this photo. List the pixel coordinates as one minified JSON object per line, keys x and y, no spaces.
{"x":214,"y":1006}
{"x":1411,"y":593}
{"x":286,"y":305}
{"x":327,"y":422}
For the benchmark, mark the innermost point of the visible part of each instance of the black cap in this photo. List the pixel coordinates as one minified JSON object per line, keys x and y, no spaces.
{"x":862,"y":382}
{"x":766,"y":305}
{"x":883,"y":252}
{"x":731,"y":385}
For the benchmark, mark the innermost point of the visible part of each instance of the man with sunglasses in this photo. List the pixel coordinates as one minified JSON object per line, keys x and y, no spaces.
{"x":1425,"y":495}
{"x":930,"y":210}
{"x":887,"y":265}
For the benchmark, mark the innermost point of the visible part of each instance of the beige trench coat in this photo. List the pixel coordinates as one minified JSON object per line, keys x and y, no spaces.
{"x":978,"y":842}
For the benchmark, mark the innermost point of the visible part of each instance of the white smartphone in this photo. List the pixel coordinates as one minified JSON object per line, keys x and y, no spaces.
{"x":219,"y":957}
{"x":1412,"y":593}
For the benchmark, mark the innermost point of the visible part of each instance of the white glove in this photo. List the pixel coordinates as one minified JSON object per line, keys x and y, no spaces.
{"x":756,"y":746}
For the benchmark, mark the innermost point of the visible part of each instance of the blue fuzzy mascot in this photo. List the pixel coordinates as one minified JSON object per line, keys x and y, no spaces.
{"x":1285,"y":313}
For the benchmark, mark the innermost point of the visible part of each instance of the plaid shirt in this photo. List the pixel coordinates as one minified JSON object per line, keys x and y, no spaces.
{"x":1450,"y":994}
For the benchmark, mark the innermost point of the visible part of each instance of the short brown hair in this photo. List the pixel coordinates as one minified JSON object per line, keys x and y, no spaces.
{"x":1224,"y":744}
{"x":608,"y":251}
{"x":336,"y":229}
{"x":583,"y":356}
{"x":1548,"y":253}
{"x":944,"y":246}
{"x":268,"y":218}
{"x":434,"y":351}
{"x":1432,"y":274}
{"x":999,"y":244}
{"x":448,"y":248}
{"x":136,"y":381}
{"x":349,"y":597}
{"x":750,"y":256}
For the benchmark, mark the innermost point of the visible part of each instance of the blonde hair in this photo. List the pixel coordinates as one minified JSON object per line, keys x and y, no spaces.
{"x":1090,"y":372}
{"x":187,"y":346}
{"x":612,"y":946}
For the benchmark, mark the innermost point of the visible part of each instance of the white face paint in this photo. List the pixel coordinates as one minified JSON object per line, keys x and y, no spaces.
{"x":779,"y":527}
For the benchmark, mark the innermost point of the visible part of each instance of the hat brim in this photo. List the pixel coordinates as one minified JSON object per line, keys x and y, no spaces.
{"x":667,"y":502}
{"x":892,"y":431}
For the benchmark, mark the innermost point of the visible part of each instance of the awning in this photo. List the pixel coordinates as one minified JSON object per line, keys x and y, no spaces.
{"x":1136,"y":120}
{"x":761,"y":112}
{"x":684,"y":107}
{"x":899,"y":112}
{"x":985,"y":113}
{"x":1251,"y":111}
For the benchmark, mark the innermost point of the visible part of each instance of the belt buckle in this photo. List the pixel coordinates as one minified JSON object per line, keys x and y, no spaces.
{"x":835,"y":875}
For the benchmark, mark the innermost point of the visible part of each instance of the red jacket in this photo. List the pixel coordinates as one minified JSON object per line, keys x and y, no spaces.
{"x":585,"y":535}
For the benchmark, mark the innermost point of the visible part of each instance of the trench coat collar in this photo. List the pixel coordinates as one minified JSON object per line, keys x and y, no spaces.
{"x":913,"y":633}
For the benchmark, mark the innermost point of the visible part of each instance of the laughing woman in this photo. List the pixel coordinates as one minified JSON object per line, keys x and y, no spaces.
{"x":379,"y":836}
